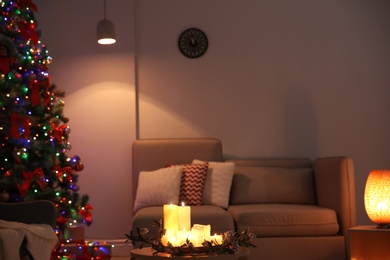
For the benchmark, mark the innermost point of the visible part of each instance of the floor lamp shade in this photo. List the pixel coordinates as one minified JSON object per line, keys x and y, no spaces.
{"x":106,"y":32}
{"x":377,"y":197}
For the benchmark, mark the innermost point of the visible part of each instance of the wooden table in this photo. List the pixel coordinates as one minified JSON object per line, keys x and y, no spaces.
{"x":369,"y":242}
{"x":147,"y":254}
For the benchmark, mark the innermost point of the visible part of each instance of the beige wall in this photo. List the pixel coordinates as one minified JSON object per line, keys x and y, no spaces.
{"x":100,"y":102}
{"x":280,"y":78}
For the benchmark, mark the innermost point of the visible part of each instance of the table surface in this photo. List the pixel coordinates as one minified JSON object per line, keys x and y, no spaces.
{"x":148,"y":253}
{"x":370,"y":228}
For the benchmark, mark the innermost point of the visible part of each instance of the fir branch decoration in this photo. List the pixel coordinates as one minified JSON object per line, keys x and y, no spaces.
{"x":232,"y":241}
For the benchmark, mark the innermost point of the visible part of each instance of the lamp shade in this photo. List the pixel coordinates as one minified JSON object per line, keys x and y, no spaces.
{"x":377,"y":197}
{"x":106,"y":32}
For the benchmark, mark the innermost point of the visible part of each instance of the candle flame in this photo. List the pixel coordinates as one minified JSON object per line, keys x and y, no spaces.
{"x":182,"y":204}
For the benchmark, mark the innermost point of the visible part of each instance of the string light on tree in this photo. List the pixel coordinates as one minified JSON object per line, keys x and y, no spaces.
{"x":34,"y":134}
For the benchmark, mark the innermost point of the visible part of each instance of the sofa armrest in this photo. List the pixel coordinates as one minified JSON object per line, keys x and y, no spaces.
{"x":335,"y":187}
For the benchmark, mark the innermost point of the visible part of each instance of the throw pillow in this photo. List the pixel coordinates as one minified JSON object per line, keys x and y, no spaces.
{"x":159,"y":187}
{"x":192,"y":183}
{"x":218,"y":183}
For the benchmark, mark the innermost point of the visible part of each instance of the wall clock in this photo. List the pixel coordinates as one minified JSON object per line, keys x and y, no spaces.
{"x":193,"y":43}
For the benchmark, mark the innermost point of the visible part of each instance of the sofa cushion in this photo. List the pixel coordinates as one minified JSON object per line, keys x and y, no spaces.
{"x":257,"y":184}
{"x":192,"y":183}
{"x":158,"y":187}
{"x":278,"y":220}
{"x":218,"y":183}
{"x":219,"y":219}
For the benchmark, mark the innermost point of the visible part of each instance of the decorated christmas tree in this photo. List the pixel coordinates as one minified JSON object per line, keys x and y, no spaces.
{"x":34,"y":135}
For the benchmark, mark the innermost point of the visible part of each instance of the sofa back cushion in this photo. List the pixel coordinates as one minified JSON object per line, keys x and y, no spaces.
{"x":257,"y":184}
{"x":153,"y":154}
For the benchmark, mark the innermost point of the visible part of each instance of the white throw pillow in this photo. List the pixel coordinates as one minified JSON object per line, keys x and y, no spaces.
{"x":219,"y":178}
{"x":159,"y":187}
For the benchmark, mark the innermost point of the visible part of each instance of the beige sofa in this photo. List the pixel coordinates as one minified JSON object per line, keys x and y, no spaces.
{"x":298,"y":208}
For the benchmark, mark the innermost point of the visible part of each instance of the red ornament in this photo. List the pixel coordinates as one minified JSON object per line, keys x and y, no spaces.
{"x":61,"y":220}
{"x":85,"y":212}
{"x":79,"y":167}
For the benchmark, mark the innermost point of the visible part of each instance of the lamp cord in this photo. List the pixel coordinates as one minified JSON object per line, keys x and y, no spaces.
{"x":104,"y":9}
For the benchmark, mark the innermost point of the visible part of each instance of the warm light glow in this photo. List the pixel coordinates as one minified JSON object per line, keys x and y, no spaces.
{"x":105,"y":41}
{"x":377,"y":197}
{"x":171,"y":218}
{"x":184,"y":217}
{"x":177,"y":225}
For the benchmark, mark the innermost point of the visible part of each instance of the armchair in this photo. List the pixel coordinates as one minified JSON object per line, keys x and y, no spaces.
{"x":34,"y":212}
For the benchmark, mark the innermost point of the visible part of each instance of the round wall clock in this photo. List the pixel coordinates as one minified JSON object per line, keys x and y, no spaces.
{"x":193,"y":43}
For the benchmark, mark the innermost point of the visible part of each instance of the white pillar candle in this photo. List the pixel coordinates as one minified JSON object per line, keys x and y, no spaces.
{"x":171,"y":218}
{"x":201,"y":232}
{"x":197,"y":230}
{"x":184,"y":214}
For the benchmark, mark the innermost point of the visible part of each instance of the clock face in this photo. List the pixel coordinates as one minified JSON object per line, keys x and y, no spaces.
{"x":193,"y":43}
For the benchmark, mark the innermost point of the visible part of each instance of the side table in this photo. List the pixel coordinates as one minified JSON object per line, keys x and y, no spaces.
{"x":147,"y":254}
{"x":368,"y":242}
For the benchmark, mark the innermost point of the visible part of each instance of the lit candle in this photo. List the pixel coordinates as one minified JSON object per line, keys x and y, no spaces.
{"x":184,"y":214}
{"x":217,"y":239}
{"x":170,"y":218}
{"x":168,"y":237}
{"x":182,"y":236}
{"x":165,"y":238}
{"x":194,"y":239}
{"x":174,"y":241}
{"x":207,"y":232}
{"x":200,"y":233}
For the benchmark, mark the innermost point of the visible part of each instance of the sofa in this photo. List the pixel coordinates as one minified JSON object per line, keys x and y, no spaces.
{"x":298,"y":208}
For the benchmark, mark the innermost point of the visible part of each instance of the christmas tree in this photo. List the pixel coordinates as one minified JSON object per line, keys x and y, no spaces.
{"x":34,"y":135}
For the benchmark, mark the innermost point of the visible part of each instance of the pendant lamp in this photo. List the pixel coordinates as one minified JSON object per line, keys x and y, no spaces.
{"x":105,"y":30}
